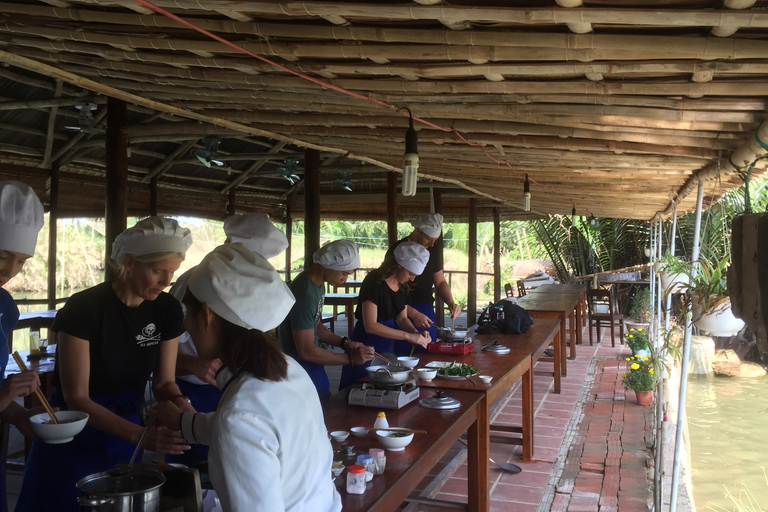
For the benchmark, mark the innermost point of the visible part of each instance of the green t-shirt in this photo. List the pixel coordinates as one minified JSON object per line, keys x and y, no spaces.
{"x":305,"y":313}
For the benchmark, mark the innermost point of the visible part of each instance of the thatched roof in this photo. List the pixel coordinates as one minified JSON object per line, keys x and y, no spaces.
{"x":613,"y":107}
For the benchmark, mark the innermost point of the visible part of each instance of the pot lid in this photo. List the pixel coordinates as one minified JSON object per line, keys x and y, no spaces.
{"x":495,"y":347}
{"x":439,"y":401}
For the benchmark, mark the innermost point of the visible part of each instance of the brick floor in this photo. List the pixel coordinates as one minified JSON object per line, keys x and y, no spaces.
{"x":590,"y":450}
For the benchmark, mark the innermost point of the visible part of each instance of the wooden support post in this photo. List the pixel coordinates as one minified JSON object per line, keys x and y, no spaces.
{"x":116,"y":210}
{"x":53,"y":218}
{"x":437,"y":200}
{"x":231,"y":204}
{"x":391,"y":208}
{"x":311,"y":204}
{"x":153,"y":196}
{"x":288,"y":234}
{"x":472,"y":264}
{"x":496,"y":255}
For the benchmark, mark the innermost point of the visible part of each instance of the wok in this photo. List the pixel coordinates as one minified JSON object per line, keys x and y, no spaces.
{"x":388,"y":375}
{"x":451,"y":334}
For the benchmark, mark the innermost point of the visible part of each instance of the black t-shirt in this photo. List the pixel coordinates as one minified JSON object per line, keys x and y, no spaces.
{"x":389,"y":303}
{"x":124,"y":341}
{"x":421,"y":288}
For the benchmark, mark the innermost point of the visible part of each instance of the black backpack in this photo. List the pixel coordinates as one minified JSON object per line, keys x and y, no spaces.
{"x":504,"y":317}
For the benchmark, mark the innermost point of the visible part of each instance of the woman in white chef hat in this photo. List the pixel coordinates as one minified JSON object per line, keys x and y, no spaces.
{"x":269,"y":449}
{"x":21,"y":218}
{"x":381,"y":306}
{"x":111,"y":338}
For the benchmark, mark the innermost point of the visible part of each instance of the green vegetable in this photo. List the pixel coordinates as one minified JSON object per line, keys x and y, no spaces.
{"x":457,"y":370}
{"x":400,"y":434}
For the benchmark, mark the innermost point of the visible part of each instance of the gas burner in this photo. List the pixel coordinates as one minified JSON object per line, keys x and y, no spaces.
{"x":407,"y":386}
{"x":392,"y":397}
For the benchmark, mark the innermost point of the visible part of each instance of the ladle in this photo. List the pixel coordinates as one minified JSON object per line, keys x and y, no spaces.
{"x":122,"y":471}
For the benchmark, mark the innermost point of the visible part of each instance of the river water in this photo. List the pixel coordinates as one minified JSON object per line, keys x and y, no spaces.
{"x":728,"y":422}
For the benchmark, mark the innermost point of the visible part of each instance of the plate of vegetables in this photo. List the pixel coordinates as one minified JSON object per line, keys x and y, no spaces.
{"x":454,"y":370}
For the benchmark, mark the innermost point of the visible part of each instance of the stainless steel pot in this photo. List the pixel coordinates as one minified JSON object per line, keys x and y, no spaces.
{"x":135,"y":491}
{"x":451,"y":335}
{"x":388,"y":375}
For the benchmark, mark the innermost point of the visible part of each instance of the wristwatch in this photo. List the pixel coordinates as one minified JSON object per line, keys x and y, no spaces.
{"x":184,"y":397}
{"x":343,"y":343}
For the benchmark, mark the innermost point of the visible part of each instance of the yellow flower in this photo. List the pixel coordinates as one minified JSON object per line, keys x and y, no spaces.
{"x":627,"y":359}
{"x":630,"y":336}
{"x":631,"y":330}
{"x":645,"y":358}
{"x":635,"y":366}
{"x":639,"y":329}
{"x":650,"y":370}
{"x":625,"y":375}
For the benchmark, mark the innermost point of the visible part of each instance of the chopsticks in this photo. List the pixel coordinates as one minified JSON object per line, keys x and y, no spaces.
{"x":40,"y":395}
{"x":405,"y":430}
{"x":383,"y":359}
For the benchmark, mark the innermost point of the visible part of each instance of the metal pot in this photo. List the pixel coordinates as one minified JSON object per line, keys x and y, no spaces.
{"x":451,"y":334}
{"x":388,"y":375}
{"x":136,"y":491}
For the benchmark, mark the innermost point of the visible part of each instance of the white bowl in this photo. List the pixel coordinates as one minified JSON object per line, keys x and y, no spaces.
{"x":337,"y":471}
{"x":408,"y":362}
{"x":359,"y":431}
{"x":71,"y":423}
{"x":426,"y":374}
{"x":486,"y":378}
{"x":339,"y":435}
{"x":394,"y":444}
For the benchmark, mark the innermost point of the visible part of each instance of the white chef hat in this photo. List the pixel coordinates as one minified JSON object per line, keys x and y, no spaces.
{"x":256,"y":232}
{"x":242,"y":287}
{"x":149,"y":236}
{"x":431,"y":224}
{"x":338,"y":255}
{"x":21,"y":217}
{"x":412,"y":256}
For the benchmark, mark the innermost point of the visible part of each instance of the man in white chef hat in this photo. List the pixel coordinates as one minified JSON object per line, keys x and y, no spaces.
{"x":421,"y":303}
{"x":302,"y":334}
{"x":195,"y":375}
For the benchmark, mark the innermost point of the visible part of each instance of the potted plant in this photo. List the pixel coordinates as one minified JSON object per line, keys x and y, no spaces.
{"x":637,"y":340}
{"x":710,"y":301}
{"x":674,"y":273}
{"x":641,"y":377}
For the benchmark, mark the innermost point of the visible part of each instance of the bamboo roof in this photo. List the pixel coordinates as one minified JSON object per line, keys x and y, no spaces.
{"x":614,"y":108}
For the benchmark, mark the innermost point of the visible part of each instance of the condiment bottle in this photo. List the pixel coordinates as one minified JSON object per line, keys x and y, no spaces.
{"x":367,"y":462}
{"x":34,"y":343}
{"x":381,"y":421}
{"x":379,"y":460}
{"x":356,"y":479}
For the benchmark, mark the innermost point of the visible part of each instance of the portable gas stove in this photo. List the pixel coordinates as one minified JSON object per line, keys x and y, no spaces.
{"x":384,"y":397}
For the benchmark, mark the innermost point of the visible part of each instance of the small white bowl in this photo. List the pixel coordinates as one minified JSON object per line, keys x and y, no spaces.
{"x":394,"y":444}
{"x":486,"y":378}
{"x":339,"y":435}
{"x":72,"y":422}
{"x":359,"y":431}
{"x":426,"y":374}
{"x":336,"y":472}
{"x":408,"y":362}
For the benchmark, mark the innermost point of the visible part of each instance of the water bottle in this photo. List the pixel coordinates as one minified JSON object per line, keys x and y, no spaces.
{"x":500,"y":313}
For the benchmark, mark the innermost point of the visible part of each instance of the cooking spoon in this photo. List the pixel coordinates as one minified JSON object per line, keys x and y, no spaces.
{"x":507,"y":466}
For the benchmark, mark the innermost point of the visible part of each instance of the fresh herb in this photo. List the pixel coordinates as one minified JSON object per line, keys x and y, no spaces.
{"x":457,"y":370}
{"x":400,"y":434}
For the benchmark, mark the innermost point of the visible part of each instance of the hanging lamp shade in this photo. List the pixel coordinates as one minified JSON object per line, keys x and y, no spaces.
{"x":410,"y":159}
{"x":527,"y":195}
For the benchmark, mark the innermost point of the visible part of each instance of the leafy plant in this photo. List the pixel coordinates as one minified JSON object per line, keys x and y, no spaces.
{"x":709,"y":283}
{"x":674,"y":265}
{"x":636,"y":339}
{"x":641,"y":305}
{"x":641,"y":374}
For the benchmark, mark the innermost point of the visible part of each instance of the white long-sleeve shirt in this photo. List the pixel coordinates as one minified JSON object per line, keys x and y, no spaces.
{"x":269,"y":446}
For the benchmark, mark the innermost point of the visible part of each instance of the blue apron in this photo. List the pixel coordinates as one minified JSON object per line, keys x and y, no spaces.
{"x":319,"y":377}
{"x":402,"y":347}
{"x":53,"y":470}
{"x":204,"y":398}
{"x":351,"y":374}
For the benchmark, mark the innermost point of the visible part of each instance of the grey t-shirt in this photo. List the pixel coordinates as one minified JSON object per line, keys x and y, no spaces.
{"x":305,"y":313}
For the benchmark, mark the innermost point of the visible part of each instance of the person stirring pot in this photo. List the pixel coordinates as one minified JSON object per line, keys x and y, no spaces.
{"x":381,"y":306}
{"x":110,"y":339}
{"x":269,"y":449}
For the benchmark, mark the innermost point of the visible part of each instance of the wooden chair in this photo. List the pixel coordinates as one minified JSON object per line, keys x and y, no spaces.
{"x":521,"y":288}
{"x":602,"y":308}
{"x":508,"y":290}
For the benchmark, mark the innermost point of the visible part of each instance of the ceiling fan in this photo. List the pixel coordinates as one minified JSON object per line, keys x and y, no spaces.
{"x":345,"y":182}
{"x":85,"y":118}
{"x":208,"y":155}
{"x":288,"y":172}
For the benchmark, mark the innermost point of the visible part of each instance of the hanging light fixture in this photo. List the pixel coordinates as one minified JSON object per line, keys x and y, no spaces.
{"x":410,"y":159}
{"x":527,"y":195}
{"x":592,"y":220}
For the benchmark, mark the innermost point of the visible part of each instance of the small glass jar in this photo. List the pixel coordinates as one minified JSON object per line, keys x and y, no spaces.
{"x":355,"y":479}
{"x":367,"y":462}
{"x":379,"y":460}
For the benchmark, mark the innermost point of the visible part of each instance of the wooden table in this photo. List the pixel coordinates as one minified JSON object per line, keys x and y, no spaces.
{"x":407,"y":468}
{"x":349,"y":285}
{"x":348,"y":300}
{"x":581,"y":310}
{"x":34,"y":320}
{"x":506,"y":369}
{"x":560,"y":306}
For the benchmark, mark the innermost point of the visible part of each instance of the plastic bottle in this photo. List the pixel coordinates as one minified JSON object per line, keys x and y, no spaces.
{"x":367,"y":462}
{"x":356,"y":479}
{"x":379,"y":460}
{"x":500,"y":314}
{"x":381,"y":421}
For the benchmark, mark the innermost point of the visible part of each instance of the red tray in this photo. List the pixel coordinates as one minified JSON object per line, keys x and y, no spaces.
{"x":444,"y":347}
